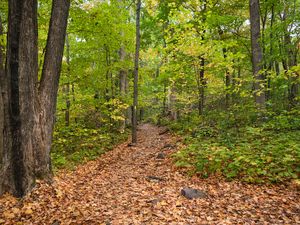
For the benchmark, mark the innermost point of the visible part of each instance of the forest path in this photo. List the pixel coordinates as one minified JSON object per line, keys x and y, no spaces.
{"x":131,"y":185}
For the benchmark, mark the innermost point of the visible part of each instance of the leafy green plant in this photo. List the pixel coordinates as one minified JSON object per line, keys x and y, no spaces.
{"x":253,"y":154}
{"x":77,"y":144}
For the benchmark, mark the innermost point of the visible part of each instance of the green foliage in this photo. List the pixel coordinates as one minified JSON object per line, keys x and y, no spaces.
{"x":252,"y":154}
{"x":77,"y":144}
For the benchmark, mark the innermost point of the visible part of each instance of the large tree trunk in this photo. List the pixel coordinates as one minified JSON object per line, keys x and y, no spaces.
{"x":136,"y":73}
{"x":18,"y":89}
{"x":27,"y":115}
{"x":257,"y":56}
{"x":49,"y":85}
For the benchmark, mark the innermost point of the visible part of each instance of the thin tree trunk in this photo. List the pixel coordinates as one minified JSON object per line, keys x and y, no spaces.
{"x":277,"y":68}
{"x":291,"y":61}
{"x":227,"y":81}
{"x":107,"y":76}
{"x":123,"y":80}
{"x":136,"y":73}
{"x":202,"y":82}
{"x":67,"y":86}
{"x":257,"y":57}
{"x":172,"y":111}
{"x":202,"y":86}
{"x":123,"y":77}
{"x":164,"y":100}
{"x":271,"y":63}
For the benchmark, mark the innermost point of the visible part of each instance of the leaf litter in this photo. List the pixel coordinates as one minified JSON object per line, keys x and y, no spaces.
{"x":116,"y":189}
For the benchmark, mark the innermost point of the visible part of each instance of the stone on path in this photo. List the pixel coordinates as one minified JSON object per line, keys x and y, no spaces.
{"x":154,"y":178}
{"x":164,"y":131}
{"x":161,"y":155}
{"x":154,"y":201}
{"x":191,"y":193}
{"x":168,"y":145}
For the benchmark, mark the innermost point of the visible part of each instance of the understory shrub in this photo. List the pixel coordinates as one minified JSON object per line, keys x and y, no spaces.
{"x":77,"y":144}
{"x":267,"y":152}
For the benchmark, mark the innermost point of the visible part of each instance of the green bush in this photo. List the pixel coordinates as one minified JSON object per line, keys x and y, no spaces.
{"x":77,"y":144}
{"x":255,"y":156}
{"x":255,"y":147}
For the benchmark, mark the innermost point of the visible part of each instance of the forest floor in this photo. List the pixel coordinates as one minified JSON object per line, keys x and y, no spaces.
{"x":140,"y":185}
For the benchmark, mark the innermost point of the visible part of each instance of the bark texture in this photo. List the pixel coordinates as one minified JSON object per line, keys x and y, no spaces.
{"x":67,"y":86}
{"x":257,"y":56}
{"x":123,"y":89}
{"x":49,"y":84}
{"x":27,"y":111}
{"x":136,"y":73}
{"x":18,"y":88}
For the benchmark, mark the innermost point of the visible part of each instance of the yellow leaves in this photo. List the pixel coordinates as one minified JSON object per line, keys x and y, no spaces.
{"x":59,"y":193}
{"x":163,"y":203}
{"x":9,"y":215}
{"x":296,"y":184}
{"x":178,"y":203}
{"x":15,"y":210}
{"x":28,"y":211}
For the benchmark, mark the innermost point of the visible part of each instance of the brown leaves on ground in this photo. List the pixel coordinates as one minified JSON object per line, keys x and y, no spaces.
{"x":119,"y":188}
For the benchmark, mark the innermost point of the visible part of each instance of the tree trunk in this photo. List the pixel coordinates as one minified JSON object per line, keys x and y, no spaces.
{"x":271,"y":62}
{"x":202,"y":82}
{"x":67,"y":86}
{"x":107,"y":97}
{"x":136,"y":73}
{"x":257,"y":57}
{"x":6,"y":178}
{"x":201,"y":86}
{"x":291,"y":53}
{"x":172,"y":110}
{"x":49,"y":85}
{"x":18,"y":89}
{"x":1,"y":86}
{"x":123,"y":77}
{"x":227,"y":82}
{"x":164,"y":109}
{"x":28,"y":112}
{"x":292,"y":61}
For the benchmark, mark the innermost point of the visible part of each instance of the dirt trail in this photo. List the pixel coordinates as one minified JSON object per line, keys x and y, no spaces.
{"x":130,"y":185}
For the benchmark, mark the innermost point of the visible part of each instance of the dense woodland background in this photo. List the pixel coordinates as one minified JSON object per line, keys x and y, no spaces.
{"x":223,"y":74}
